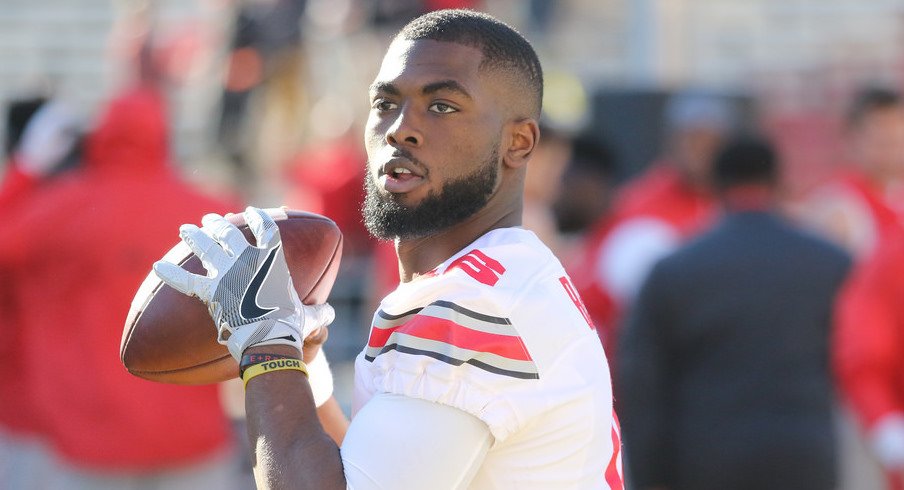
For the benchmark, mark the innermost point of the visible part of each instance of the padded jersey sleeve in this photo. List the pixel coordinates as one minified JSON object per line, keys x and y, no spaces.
{"x":451,"y":354}
{"x":487,"y":354}
{"x":401,"y":443}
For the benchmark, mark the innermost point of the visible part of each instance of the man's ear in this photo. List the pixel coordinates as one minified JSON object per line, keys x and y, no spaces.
{"x":523,"y":136}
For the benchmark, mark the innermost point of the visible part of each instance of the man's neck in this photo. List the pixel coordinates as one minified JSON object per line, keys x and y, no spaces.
{"x":419,"y":256}
{"x":749,"y":197}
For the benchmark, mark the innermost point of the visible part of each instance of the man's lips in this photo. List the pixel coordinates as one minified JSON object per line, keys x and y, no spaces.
{"x":400,"y":175}
{"x":400,"y":184}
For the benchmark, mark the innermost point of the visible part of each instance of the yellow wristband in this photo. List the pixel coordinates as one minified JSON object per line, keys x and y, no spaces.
{"x":272,"y":366}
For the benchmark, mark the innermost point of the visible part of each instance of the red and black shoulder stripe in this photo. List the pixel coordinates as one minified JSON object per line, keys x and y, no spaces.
{"x":453,"y":334}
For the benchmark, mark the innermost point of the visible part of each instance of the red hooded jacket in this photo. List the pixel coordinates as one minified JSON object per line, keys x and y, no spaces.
{"x":76,"y":252}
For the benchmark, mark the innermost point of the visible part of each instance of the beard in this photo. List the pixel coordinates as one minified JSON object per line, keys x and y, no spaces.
{"x":386,"y":218}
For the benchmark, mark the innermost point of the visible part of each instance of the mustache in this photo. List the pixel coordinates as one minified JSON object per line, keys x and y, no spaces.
{"x":403,"y":153}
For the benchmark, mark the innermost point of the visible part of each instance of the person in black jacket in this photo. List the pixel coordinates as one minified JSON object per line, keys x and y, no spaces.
{"x":725,"y":379}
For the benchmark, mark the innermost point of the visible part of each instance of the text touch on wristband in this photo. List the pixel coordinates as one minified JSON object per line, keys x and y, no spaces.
{"x":250,"y":309}
{"x":273,"y":366}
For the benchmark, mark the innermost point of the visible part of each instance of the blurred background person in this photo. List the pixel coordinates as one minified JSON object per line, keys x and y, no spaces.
{"x":76,"y":250}
{"x":263,"y":99}
{"x":654,"y":213}
{"x":42,"y":141}
{"x":588,"y":184}
{"x":858,"y":206}
{"x":543,"y":185}
{"x":724,"y":376}
{"x":864,"y":200}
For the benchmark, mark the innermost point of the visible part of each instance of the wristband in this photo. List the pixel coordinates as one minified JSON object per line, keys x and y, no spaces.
{"x":321,"y":378}
{"x":273,"y":366}
{"x":250,"y":359}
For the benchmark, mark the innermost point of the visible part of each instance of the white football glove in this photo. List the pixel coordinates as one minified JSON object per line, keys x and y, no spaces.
{"x":248,"y":289}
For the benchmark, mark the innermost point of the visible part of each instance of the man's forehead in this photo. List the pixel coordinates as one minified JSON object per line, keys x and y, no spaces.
{"x":423,"y":61}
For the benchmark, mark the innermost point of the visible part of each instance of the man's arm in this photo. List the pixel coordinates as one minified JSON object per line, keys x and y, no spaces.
{"x":395,"y":442}
{"x":402,"y":443}
{"x":331,"y":416}
{"x":333,"y":420}
{"x":290,"y":448}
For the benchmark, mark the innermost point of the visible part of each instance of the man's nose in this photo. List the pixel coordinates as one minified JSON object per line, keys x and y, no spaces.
{"x":404,"y":130}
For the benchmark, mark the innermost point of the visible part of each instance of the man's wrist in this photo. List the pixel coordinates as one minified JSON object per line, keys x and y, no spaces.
{"x":273,"y":366}
{"x":285,"y":350}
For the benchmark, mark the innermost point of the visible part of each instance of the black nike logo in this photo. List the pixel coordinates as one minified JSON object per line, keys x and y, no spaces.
{"x":249,"y":308}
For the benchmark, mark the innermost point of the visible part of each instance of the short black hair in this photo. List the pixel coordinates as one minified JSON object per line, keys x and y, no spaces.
{"x":502,"y":46}
{"x":869,"y":99}
{"x":747,"y":159}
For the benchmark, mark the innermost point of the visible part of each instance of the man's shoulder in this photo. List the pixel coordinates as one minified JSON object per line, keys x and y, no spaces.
{"x":484,"y":280}
{"x":501,"y":264}
{"x":749,"y":237}
{"x":475,"y":304}
{"x":785,"y":236}
{"x":471,"y":338}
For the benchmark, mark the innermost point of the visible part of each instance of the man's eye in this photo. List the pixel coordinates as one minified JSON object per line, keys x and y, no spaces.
{"x":441,"y":108}
{"x":383,"y":105}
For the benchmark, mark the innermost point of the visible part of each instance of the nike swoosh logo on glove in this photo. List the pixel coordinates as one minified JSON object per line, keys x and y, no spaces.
{"x":249,"y":308}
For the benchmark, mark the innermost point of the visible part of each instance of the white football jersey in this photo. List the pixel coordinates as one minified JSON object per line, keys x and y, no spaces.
{"x":499,"y":332}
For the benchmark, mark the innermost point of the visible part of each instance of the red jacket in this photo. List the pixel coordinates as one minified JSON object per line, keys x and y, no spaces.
{"x":869,"y":336}
{"x":76,"y":253}
{"x":15,"y":411}
{"x":15,"y":186}
{"x":868,"y":346}
{"x":853,"y":211}
{"x":884,"y":215}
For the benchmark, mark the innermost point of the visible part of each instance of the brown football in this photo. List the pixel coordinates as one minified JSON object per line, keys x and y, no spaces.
{"x":170,"y":337}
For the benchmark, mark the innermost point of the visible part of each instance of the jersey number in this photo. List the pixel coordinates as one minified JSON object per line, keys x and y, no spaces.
{"x":479,"y":266}
{"x":576,"y":299}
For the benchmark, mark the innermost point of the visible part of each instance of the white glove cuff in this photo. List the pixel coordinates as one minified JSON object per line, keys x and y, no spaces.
{"x":887,"y":440}
{"x":320,"y":378}
{"x":267,"y":332}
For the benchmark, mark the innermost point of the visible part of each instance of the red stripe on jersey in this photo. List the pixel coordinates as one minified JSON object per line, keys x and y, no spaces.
{"x":614,"y":471}
{"x":449,"y":332}
{"x":379,"y":336}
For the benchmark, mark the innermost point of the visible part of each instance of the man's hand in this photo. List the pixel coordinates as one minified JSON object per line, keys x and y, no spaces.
{"x":248,"y":289}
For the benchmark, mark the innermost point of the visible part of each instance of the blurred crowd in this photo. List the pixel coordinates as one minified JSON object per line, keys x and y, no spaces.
{"x":750,"y":300}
